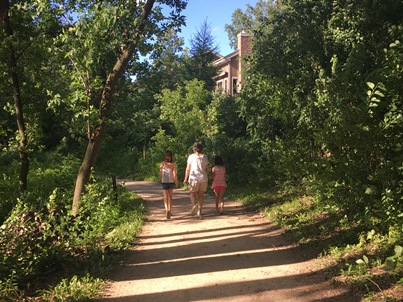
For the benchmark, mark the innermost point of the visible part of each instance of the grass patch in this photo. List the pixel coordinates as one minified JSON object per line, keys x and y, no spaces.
{"x":353,"y":252}
{"x":75,"y":289}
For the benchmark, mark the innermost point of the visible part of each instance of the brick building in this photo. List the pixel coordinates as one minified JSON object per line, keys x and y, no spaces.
{"x":232,"y":66}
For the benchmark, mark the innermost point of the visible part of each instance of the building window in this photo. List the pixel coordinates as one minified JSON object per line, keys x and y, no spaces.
{"x":225,"y":86}
{"x":234,"y":85}
{"x":219,"y":86}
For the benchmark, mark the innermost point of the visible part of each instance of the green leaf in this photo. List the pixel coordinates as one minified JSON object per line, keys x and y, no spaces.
{"x":370,"y":190}
{"x":360,"y":262}
{"x":390,"y":264}
{"x":371,"y":85}
{"x":371,"y":234}
{"x":377,"y":92}
{"x":398,"y":250}
{"x":365,"y":259}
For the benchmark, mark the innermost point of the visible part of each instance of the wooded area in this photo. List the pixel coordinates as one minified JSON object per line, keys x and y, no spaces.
{"x":91,"y":90}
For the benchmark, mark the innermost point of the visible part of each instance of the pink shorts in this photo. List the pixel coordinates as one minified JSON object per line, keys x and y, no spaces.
{"x":219,"y":189}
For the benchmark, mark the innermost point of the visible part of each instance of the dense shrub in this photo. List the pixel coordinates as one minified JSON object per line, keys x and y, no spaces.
{"x":40,"y":236}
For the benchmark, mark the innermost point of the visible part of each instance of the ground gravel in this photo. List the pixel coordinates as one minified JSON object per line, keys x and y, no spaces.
{"x":238,"y":256}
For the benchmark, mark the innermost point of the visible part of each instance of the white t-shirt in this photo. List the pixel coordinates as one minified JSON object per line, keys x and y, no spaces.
{"x":198,"y":166}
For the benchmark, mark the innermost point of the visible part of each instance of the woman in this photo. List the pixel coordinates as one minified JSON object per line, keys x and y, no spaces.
{"x":196,"y":174}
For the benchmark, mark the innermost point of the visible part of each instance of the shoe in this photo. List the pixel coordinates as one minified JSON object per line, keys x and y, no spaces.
{"x":169,"y":215}
{"x":194,"y":209}
{"x":199,"y":215}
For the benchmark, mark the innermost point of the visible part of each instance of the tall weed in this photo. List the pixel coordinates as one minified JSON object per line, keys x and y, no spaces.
{"x":41,"y":238}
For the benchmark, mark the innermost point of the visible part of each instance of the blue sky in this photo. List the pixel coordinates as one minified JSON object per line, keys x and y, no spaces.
{"x":217,"y":13}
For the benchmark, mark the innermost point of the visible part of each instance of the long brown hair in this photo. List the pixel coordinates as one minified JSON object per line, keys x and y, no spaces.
{"x":168,"y":156}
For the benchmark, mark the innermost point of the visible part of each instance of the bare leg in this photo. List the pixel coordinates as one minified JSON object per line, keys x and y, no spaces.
{"x":200,"y":201}
{"x":216,"y":200}
{"x":166,"y":198}
{"x":170,"y":192}
{"x":193,"y":199}
{"x":221,"y":198}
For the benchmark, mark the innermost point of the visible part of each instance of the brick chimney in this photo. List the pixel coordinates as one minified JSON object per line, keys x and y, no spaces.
{"x":245,"y":48}
{"x":244,"y":43}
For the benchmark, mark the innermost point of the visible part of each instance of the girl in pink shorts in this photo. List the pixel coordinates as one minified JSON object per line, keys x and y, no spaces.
{"x":219,"y":184}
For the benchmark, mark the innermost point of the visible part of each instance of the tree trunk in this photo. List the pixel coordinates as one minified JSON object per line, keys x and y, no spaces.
{"x":105,"y":105}
{"x":4,"y":5}
{"x":23,"y":142}
{"x":115,"y":187}
{"x":84,"y":173}
{"x":145,"y":148}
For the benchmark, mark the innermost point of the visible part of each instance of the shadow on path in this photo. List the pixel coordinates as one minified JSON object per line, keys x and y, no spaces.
{"x":237,"y":256}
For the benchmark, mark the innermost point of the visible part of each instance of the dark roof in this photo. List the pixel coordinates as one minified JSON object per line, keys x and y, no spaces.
{"x":224,"y":59}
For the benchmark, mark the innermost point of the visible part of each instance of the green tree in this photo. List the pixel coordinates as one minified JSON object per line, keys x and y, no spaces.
{"x":202,"y":55}
{"x":249,"y":19}
{"x":26,"y":31}
{"x":286,"y":53}
{"x":168,"y":62}
{"x":183,"y":114}
{"x":16,"y":93}
{"x":185,"y":108}
{"x":101,"y":45}
{"x":228,"y":137}
{"x":356,"y":98}
{"x":163,"y":70}
{"x":306,"y":101}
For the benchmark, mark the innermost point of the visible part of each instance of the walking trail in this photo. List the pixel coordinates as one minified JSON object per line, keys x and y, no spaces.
{"x":238,"y":256}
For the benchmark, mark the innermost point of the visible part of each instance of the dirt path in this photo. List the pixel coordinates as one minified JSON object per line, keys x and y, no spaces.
{"x":233,"y":257}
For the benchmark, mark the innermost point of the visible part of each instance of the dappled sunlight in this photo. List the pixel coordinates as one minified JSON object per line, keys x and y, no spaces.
{"x":262,"y":286}
{"x":238,"y":256}
{"x":256,"y":254}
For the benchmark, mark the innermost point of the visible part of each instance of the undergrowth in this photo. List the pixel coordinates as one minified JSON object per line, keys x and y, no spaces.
{"x":353,"y":250}
{"x":50,"y":256}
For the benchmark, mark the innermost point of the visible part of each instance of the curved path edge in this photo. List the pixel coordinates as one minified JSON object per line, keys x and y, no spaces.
{"x":238,"y":256}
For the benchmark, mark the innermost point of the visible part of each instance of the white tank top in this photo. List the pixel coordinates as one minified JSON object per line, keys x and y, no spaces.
{"x":167,"y":174}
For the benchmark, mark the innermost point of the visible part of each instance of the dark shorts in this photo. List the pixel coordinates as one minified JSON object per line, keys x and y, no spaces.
{"x":168,"y":185}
